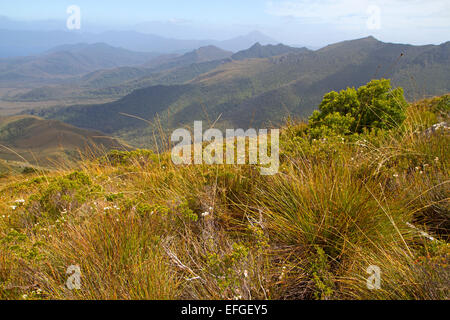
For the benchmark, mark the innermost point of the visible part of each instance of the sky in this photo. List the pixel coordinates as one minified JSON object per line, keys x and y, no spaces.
{"x":299,"y":22}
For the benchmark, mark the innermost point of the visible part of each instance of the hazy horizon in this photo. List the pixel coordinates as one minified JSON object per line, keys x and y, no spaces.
{"x":309,"y":23}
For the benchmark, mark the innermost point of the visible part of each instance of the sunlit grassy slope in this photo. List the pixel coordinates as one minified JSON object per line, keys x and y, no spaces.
{"x":34,"y":141}
{"x":141,"y":228}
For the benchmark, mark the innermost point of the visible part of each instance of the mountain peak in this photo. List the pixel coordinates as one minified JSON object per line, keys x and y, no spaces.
{"x":362,"y":43}
{"x":245,"y":41}
{"x":260,"y":51}
{"x":256,"y":33}
{"x":259,"y":37}
{"x":256,"y":45}
{"x":202,"y":54}
{"x":369,"y":38}
{"x":208,"y":49}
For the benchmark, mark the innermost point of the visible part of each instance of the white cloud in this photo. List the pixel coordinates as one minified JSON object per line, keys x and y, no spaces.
{"x":353,"y":13}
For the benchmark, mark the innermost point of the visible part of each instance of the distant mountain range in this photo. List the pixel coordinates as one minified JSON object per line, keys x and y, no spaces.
{"x":27,"y":43}
{"x":259,"y":86}
{"x":69,"y":60}
{"x":94,"y":66}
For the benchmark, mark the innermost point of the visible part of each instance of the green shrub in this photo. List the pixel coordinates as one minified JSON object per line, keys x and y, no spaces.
{"x":66,"y":193}
{"x":28,"y":170}
{"x":374,"y":105}
{"x":117,"y":157}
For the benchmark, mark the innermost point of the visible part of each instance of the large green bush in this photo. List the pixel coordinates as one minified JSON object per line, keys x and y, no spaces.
{"x":375,"y":105}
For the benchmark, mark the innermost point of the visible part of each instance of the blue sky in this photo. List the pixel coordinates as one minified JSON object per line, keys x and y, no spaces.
{"x":139,"y":10}
{"x":290,"y":21}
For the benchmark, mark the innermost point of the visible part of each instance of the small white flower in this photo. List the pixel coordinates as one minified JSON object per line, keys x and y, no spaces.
{"x":395,"y":175}
{"x":106,"y":208}
{"x":20,"y":201}
{"x":64,"y":211}
{"x":25,"y":296}
{"x":13,"y":207}
{"x":205,"y":214}
{"x":246,"y":273}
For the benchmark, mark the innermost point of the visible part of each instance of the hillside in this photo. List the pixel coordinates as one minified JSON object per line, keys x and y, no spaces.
{"x":254,"y":92}
{"x":342,"y":204}
{"x":39,"y":142}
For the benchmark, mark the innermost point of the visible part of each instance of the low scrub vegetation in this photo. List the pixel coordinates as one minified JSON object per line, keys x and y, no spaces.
{"x":364,"y":183}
